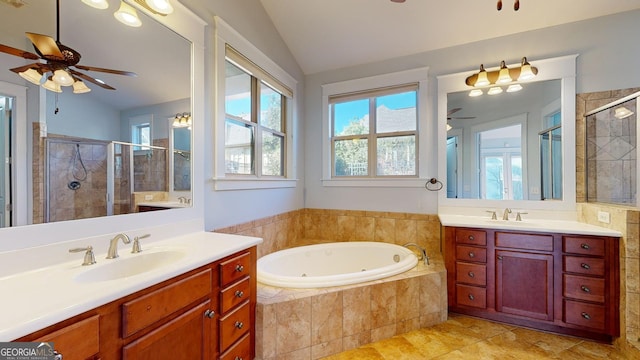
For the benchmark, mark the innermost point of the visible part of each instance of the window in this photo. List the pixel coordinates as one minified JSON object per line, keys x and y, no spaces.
{"x":255,"y":108}
{"x":141,"y":131}
{"x":374,"y":133}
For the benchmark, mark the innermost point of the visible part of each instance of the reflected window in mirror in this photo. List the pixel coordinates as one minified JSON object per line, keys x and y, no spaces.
{"x":374,"y":132}
{"x":551,"y":155}
{"x":255,"y":118}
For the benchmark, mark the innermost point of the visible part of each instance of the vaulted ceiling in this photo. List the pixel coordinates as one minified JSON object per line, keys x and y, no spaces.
{"x":332,"y":34}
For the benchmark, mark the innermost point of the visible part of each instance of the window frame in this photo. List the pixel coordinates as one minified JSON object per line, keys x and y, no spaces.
{"x":417,"y":76}
{"x":228,"y":37}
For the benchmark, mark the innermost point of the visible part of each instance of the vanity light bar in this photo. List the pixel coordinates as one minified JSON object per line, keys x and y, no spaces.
{"x":501,"y":76}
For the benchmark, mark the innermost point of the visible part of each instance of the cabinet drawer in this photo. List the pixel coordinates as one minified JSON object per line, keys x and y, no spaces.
{"x":587,"y":315}
{"x":234,"y":295}
{"x":144,"y":311}
{"x":234,"y":325}
{"x":240,"y":351}
{"x":473,"y":274}
{"x":234,"y":269}
{"x":584,"y":265}
{"x":77,"y":341}
{"x":468,"y":236}
{"x":524,"y":241}
{"x":583,"y":245}
{"x":470,"y":253}
{"x":471,"y":296}
{"x":583,"y":288}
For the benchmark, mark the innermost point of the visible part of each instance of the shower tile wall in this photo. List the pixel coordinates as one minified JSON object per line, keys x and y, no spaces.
{"x":37,"y":168}
{"x":89,"y":200}
{"x":150,"y":169}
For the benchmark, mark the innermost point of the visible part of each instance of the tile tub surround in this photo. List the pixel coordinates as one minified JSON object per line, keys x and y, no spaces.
{"x":313,"y":323}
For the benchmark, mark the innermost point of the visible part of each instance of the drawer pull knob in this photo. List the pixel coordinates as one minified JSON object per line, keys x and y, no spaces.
{"x":499,"y":257}
{"x":471,"y":254}
{"x":585,"y":246}
{"x":57,"y":355}
{"x":585,"y":266}
{"x":239,"y":268}
{"x":585,"y":289}
{"x":209,"y":313}
{"x":471,"y":274}
{"x":471,"y":237}
{"x":471,"y":297}
{"x":586,"y":316}
{"x":239,"y":294}
{"x":237,"y":358}
{"x":239,"y":324}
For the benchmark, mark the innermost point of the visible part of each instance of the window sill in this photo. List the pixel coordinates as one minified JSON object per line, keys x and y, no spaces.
{"x":227,"y":184}
{"x":387,"y":183}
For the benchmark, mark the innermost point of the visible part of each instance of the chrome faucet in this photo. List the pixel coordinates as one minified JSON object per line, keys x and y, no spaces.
{"x":423,"y":252}
{"x":112,"y":253}
{"x":505,"y":215}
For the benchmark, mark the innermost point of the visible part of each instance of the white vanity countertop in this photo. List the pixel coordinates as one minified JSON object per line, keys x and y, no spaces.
{"x":32,"y":300}
{"x":543,"y":225}
{"x":165,"y":204}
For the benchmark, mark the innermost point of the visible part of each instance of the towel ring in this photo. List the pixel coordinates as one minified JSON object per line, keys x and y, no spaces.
{"x":433,"y":184}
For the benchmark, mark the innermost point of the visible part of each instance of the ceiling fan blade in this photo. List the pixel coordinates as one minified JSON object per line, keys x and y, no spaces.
{"x":17,"y":52}
{"x":453,"y":111}
{"x":46,"y":46}
{"x":91,"y":80}
{"x":40,"y":66}
{"x":110,"y":71}
{"x":462,"y":117}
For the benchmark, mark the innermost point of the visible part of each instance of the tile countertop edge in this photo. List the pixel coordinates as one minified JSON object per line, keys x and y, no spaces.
{"x":34,"y":308}
{"x":537,"y":225}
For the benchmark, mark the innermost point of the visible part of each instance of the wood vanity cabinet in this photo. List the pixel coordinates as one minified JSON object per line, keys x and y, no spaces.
{"x":556,"y":282}
{"x":207,"y":313}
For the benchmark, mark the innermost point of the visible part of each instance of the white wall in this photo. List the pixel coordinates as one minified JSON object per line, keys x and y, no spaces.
{"x":608,"y":56}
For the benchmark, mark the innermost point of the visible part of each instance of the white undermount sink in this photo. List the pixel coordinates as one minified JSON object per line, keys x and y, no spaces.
{"x":120,"y":268}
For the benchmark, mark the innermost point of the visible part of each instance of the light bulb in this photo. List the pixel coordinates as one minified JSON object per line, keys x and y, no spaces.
{"x":52,"y":86}
{"x":526,"y":71}
{"x":161,"y":6}
{"x":62,"y":78}
{"x":79,"y":87}
{"x":127,"y":15}
{"x":475,"y":92}
{"x":32,"y":75}
{"x":504,"y":76}
{"x":494,"y":90}
{"x":514,"y":88}
{"x":98,"y":4}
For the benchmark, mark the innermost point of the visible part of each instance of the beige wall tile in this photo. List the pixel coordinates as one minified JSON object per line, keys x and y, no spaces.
{"x":325,"y":349}
{"x":356,"y":340}
{"x":383,"y":304}
{"x":365,"y":228}
{"x":356,"y":310}
{"x":408,"y":299}
{"x":383,"y":332}
{"x":346,"y":228}
{"x":429,"y":296}
{"x":293,"y":325}
{"x":326,"y":317}
{"x":266,"y":330}
{"x":632,"y":269}
{"x":385,"y":230}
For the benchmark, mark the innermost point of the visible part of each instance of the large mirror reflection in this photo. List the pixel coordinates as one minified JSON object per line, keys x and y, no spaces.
{"x":103,"y":152}
{"x":506,"y":146}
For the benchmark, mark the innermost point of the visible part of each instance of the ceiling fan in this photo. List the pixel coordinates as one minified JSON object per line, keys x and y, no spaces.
{"x":60,"y":63}
{"x":455,"y":110}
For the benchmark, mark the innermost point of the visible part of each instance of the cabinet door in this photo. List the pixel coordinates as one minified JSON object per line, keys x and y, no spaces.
{"x":524,"y":284}
{"x":186,"y":337}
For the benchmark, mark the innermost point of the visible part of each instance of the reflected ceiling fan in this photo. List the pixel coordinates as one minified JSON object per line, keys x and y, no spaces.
{"x":58,"y":63}
{"x":455,"y":110}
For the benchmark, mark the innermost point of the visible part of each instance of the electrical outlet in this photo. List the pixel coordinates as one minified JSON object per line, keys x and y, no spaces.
{"x":148,"y":197}
{"x":604,"y":217}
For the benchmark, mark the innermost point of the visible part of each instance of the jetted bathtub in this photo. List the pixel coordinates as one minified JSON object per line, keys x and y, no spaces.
{"x":334,"y":264}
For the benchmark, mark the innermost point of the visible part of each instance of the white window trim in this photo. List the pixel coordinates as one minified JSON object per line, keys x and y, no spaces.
{"x":418,"y":75}
{"x":225,"y":34}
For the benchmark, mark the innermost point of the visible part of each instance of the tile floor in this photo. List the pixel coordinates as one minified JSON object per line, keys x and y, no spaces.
{"x":462,"y":337}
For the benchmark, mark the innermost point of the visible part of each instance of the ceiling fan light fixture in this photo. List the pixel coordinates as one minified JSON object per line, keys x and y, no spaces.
{"x":52,"y":86}
{"x":97,"y":4}
{"x":482,"y":79}
{"x":79,"y":87}
{"x":31,"y":75}
{"x":127,"y":15}
{"x":622,"y":112}
{"x":161,"y":6}
{"x":475,"y":93}
{"x":503,"y":76}
{"x":514,"y":88}
{"x":62,"y":78}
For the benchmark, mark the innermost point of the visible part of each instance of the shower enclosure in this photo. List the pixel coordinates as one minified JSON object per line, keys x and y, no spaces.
{"x":611,"y":152}
{"x":91,"y":178}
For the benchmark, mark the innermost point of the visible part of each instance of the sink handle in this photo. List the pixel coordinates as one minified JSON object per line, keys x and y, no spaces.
{"x":493,"y":214}
{"x":89,"y":258}
{"x":136,"y":243}
{"x":518,"y":217}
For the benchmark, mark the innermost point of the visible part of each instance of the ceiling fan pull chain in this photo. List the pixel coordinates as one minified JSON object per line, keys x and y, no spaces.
{"x":499,"y":5}
{"x":516,"y":5}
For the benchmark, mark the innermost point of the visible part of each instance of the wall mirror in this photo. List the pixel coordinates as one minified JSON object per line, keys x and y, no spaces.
{"x":512,"y":149}
{"x":103,"y":152}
